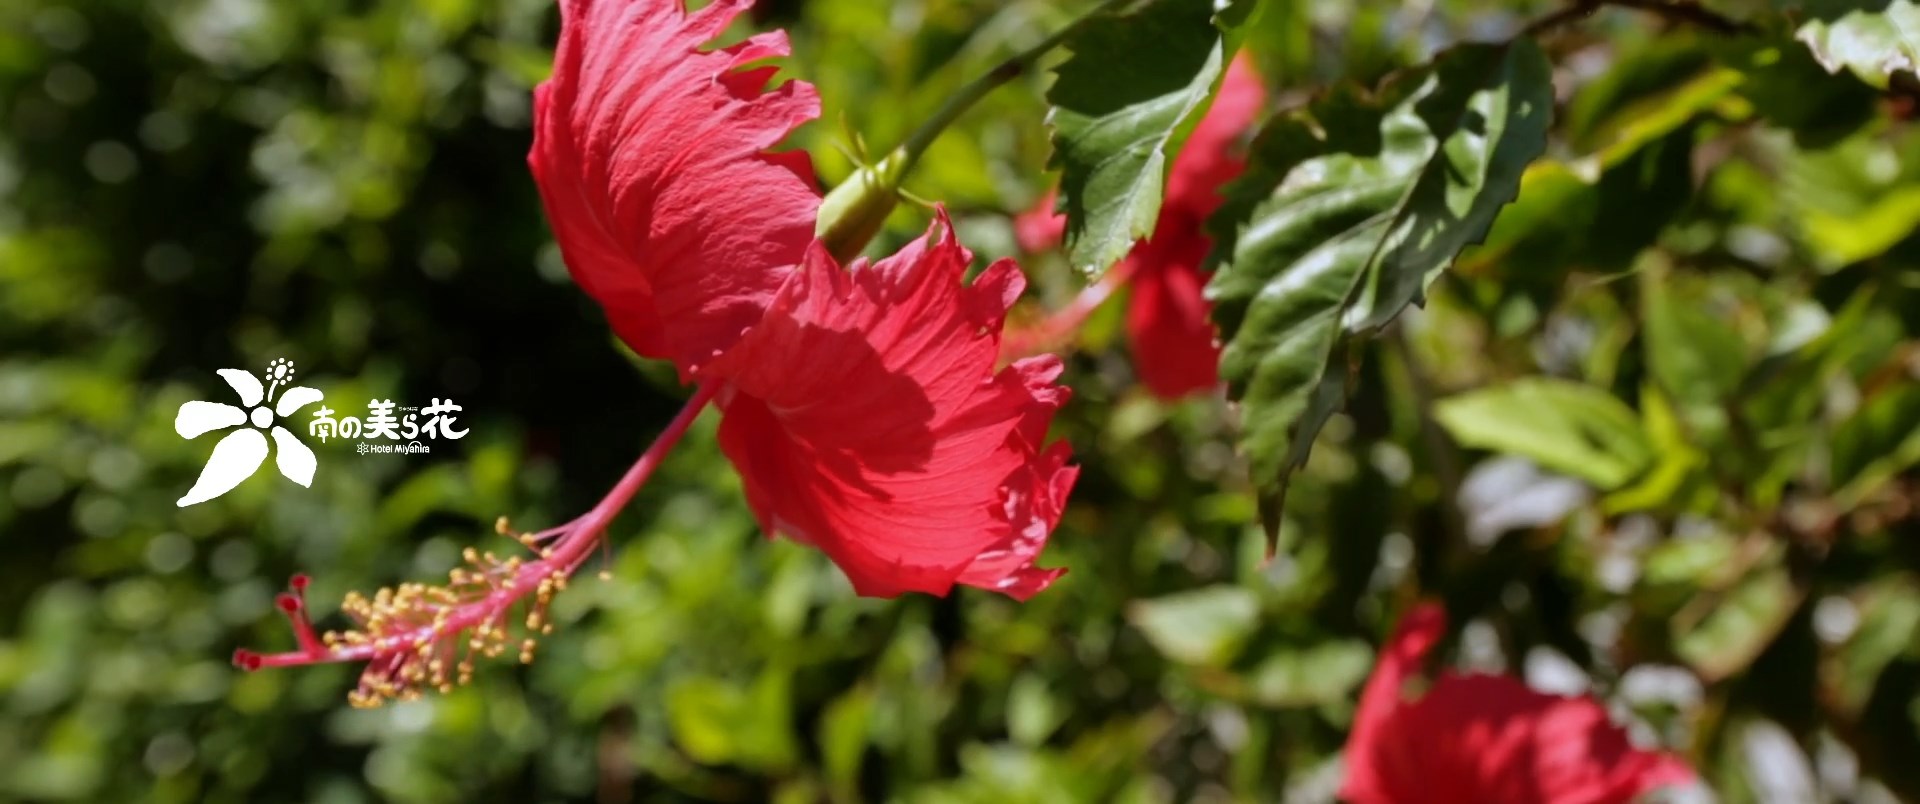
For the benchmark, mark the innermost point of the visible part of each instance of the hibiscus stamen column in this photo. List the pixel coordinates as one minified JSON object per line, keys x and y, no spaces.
{"x":419,"y":636}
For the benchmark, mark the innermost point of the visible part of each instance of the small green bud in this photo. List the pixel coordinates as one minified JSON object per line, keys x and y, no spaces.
{"x":854,"y":211}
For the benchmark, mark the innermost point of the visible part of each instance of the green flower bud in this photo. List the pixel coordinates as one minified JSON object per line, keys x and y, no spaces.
{"x":854,"y":212}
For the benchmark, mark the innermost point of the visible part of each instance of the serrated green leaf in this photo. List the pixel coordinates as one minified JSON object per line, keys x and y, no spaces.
{"x":1132,"y":90}
{"x":1871,"y":43}
{"x":1598,"y":211}
{"x":1351,"y":208}
{"x":1202,"y":627}
{"x":1570,"y":428}
{"x":1489,"y":113}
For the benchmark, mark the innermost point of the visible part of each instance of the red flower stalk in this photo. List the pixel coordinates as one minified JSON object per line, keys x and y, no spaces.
{"x":866,"y":418}
{"x":1168,"y":320}
{"x":651,"y":156}
{"x":1480,"y":738}
{"x":416,"y":637}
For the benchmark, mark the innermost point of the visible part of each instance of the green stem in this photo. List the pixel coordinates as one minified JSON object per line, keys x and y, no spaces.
{"x":855,"y":211}
{"x":930,"y":130}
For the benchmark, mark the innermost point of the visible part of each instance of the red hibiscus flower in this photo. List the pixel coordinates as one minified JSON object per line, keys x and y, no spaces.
{"x":651,"y":156}
{"x":866,"y":418}
{"x":1484,"y":738}
{"x":1168,"y":319}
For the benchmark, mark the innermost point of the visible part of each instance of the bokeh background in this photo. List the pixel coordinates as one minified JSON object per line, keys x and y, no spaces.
{"x":1716,"y":531}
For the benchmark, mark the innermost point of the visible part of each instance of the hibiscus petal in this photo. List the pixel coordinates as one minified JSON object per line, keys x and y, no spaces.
{"x":1035,"y":499}
{"x":1168,"y":318}
{"x":1487,"y":738}
{"x":198,"y":417}
{"x":865,"y":417}
{"x":244,"y":384}
{"x":295,"y":398}
{"x":294,"y":458}
{"x":234,"y":459}
{"x":1041,"y":227}
{"x":650,"y":151}
{"x":1210,"y":158}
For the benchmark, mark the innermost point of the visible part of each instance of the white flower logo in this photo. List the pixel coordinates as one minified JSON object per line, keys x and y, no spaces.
{"x":240,"y":454}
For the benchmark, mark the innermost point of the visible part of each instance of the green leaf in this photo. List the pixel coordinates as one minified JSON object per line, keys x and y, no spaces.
{"x":1600,"y":210}
{"x":1876,"y":444}
{"x":1122,"y":105}
{"x":1695,"y":354}
{"x":1872,"y":43}
{"x":843,"y":737}
{"x":1202,"y":627}
{"x":1033,"y":711}
{"x":1351,"y":207}
{"x":1790,"y":89}
{"x":1676,"y":479}
{"x":1689,"y":562}
{"x":1889,"y":622}
{"x":1735,"y":626}
{"x":1854,"y":201}
{"x":1570,"y":428}
{"x":718,"y":723}
{"x":1311,"y":676}
{"x":1235,"y":13}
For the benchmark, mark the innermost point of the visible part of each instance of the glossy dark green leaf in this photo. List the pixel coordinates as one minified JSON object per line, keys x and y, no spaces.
{"x":1633,"y":175}
{"x":1352,"y":229}
{"x":1123,"y":103}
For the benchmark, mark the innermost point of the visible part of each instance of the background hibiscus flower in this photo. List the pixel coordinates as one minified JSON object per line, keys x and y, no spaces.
{"x":1486,"y":738}
{"x":1174,"y":347}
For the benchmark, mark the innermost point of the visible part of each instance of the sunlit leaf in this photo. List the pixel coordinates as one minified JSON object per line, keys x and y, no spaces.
{"x":1573,"y":429}
{"x":1122,"y":104}
{"x":1364,"y":204}
{"x":1873,"y":42}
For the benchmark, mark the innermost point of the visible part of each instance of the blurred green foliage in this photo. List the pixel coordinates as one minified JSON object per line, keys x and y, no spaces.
{"x":1655,"y":439}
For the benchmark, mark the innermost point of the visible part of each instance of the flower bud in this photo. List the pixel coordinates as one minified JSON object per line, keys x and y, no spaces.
{"x":854,"y":212}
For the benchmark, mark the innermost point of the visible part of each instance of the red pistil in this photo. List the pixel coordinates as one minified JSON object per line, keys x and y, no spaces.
{"x":418,"y":636}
